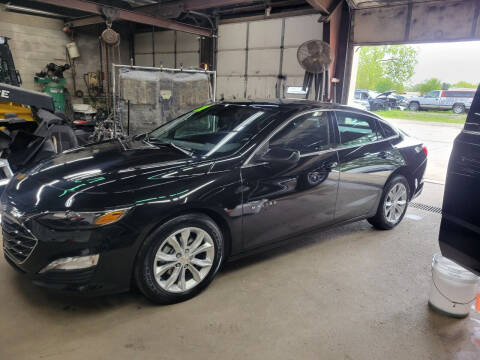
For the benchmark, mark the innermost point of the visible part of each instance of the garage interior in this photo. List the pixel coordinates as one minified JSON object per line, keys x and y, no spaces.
{"x":351,"y":292}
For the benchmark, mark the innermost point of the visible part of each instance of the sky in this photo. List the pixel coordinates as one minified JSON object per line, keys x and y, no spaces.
{"x":449,"y":62}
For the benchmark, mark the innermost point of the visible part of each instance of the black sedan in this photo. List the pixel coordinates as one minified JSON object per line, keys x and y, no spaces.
{"x":163,"y":210}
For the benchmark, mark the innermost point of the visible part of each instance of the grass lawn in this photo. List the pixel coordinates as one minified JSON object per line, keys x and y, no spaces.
{"x":431,"y":116}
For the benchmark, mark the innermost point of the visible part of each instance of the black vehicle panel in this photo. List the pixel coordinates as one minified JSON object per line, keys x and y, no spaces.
{"x":364,"y":168}
{"x":460,"y":228}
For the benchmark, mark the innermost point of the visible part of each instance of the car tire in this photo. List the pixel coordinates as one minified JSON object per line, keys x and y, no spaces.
{"x":458,"y":108}
{"x":387,"y":217}
{"x":160,"y":251}
{"x":414,"y":106}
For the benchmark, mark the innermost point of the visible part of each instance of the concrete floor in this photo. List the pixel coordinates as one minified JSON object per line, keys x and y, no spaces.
{"x":347,"y":293}
{"x":439,"y":140}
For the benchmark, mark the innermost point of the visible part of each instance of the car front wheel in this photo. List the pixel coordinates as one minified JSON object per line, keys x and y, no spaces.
{"x":458,"y":109}
{"x":179,"y":259}
{"x":414,"y":106}
{"x":393,"y":204}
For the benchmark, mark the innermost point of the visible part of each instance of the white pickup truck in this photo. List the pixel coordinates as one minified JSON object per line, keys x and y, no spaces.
{"x":458,"y":100}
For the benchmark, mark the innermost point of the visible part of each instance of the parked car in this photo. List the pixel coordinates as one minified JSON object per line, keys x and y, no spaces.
{"x":163,"y":210}
{"x":362,"y":97}
{"x":374,"y":101}
{"x":459,"y":230}
{"x":402,"y":101}
{"x":458,"y":100}
{"x":384,"y":101}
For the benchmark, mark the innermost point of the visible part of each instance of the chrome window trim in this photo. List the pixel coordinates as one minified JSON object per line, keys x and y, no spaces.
{"x":247,"y":163}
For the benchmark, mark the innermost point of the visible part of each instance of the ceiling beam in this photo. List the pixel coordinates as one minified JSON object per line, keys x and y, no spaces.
{"x":321,"y":5}
{"x":91,"y":20}
{"x":185,"y":5}
{"x":127,"y":15}
{"x":206,"y":4}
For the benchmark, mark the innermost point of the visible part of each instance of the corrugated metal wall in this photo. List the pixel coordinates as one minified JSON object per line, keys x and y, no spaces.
{"x":252,"y":56}
{"x":421,"y":22}
{"x":168,"y":49}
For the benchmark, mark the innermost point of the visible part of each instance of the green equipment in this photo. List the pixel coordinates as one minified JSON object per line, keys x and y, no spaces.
{"x":53,"y":84}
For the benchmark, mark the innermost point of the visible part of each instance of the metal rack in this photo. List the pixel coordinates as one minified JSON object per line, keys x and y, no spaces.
{"x":117,"y":67}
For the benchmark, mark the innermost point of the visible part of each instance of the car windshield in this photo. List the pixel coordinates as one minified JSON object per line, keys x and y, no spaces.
{"x":213,"y":130}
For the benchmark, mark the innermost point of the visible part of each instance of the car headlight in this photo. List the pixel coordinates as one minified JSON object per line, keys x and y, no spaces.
{"x":68,"y":220}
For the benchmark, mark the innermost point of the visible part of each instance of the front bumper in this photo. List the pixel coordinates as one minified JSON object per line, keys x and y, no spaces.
{"x":113,"y":243}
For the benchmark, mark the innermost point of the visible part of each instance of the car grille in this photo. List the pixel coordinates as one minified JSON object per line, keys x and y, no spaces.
{"x":18,"y":242}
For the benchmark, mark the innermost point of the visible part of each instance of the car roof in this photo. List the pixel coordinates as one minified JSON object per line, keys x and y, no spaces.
{"x":297,"y":105}
{"x":462,"y":89}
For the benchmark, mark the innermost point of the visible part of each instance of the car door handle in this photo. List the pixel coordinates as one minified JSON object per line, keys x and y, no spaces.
{"x":383,"y":154}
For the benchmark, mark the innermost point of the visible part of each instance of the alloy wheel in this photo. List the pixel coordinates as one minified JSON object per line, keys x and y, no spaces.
{"x":184,"y":259}
{"x":395,"y":203}
{"x":458,"y":109}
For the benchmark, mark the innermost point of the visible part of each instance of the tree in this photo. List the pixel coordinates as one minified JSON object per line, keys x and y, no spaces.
{"x":381,"y":66}
{"x":446,"y":86}
{"x":465,"y":85}
{"x":384,"y":84}
{"x":428,"y":85}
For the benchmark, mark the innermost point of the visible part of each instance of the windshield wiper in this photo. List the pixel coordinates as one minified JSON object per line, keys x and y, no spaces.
{"x":182,"y":149}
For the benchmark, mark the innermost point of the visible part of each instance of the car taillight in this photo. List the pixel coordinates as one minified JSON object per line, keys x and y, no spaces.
{"x":425,"y":150}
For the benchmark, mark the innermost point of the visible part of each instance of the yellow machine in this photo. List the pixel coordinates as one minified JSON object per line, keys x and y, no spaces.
{"x":22,"y":111}
{"x":9,"y":75}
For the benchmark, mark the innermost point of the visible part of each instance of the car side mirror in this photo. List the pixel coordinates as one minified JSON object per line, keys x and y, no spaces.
{"x":280,"y":156}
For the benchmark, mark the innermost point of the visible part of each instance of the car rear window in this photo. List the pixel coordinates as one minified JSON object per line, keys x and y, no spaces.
{"x":469,"y":94}
{"x":356,"y":129}
{"x":387,"y":130}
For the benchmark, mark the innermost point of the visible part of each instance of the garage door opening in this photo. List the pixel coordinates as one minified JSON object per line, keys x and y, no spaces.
{"x":425,"y":89}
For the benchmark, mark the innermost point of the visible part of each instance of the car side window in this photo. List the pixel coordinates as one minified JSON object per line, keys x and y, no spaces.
{"x":356,"y":129}
{"x":306,"y":133}
{"x":433,"y":94}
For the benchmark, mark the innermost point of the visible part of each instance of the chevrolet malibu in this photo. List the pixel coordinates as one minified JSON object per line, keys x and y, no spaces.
{"x":162,"y":211}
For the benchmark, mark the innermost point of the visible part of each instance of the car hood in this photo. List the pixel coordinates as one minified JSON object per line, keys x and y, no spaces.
{"x":112,"y":170}
{"x":386,"y":94}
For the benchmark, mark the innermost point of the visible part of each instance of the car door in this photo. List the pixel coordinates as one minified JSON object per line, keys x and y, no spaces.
{"x":460,"y":227}
{"x":280,"y":200}
{"x":366,"y":160}
{"x":431,"y":100}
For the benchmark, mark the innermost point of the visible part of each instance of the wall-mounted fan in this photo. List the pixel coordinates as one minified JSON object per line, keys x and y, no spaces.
{"x":315,"y":57}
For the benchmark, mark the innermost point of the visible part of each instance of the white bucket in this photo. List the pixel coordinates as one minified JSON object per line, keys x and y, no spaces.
{"x":453,"y":288}
{"x":73,"y":50}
